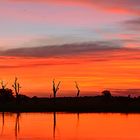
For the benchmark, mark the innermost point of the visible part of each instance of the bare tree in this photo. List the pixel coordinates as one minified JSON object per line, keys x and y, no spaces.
{"x":3,"y":86}
{"x":55,"y":88}
{"x":78,"y":89}
{"x":16,"y":87}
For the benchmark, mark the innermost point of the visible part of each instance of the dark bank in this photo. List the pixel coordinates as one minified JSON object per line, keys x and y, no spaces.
{"x":102,"y":103}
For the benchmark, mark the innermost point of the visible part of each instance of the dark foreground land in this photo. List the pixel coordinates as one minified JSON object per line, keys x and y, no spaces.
{"x":73,"y":104}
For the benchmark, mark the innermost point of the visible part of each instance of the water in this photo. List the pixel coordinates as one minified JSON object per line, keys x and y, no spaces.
{"x":69,"y":126}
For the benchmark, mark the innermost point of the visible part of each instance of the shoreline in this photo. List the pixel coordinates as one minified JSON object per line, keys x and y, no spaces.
{"x":92,"y":104}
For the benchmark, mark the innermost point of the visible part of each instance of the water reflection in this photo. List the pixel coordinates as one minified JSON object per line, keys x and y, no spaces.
{"x":17,"y":125}
{"x":54,"y":124}
{"x":74,"y":126}
{"x":55,"y":128}
{"x":78,"y":116}
{"x":2,"y":123}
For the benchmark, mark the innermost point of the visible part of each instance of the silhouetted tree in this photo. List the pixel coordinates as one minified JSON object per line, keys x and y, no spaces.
{"x":3,"y":86}
{"x":55,"y":88}
{"x":78,"y":89}
{"x":129,"y":96}
{"x":16,"y":87}
{"x":6,"y":95}
{"x":23,"y":98}
{"x":106,"y":93}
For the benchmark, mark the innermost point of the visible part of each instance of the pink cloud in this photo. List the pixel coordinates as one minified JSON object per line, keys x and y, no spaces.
{"x":75,"y":18}
{"x":83,"y":16}
{"x":15,"y":41}
{"x":114,"y":6}
{"x":69,"y":18}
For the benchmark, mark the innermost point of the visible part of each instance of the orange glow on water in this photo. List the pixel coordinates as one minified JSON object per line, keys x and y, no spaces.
{"x":41,"y":126}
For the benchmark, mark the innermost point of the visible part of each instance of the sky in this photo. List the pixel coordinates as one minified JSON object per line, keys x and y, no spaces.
{"x":93,"y":42}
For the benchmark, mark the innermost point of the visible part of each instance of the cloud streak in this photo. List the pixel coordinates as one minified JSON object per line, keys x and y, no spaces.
{"x":61,"y":50}
{"x":84,"y":52}
{"x":114,"y":6}
{"x":133,"y":24}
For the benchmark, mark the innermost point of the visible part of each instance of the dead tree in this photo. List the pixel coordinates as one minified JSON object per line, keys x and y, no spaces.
{"x":55,"y":88}
{"x":16,"y":87}
{"x":3,"y":86}
{"x":78,"y":89}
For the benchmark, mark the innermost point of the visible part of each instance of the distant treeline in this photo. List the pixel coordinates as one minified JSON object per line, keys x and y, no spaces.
{"x":7,"y":94}
{"x":12,"y":100}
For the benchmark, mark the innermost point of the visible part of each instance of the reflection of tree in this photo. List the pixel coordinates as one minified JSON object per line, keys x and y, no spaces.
{"x":78,"y":116}
{"x":55,"y":127}
{"x":3,"y":120}
{"x":77,"y":125}
{"x":17,"y":125}
{"x":54,"y":124}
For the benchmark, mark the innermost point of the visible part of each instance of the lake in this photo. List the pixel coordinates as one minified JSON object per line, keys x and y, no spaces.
{"x":69,"y":126}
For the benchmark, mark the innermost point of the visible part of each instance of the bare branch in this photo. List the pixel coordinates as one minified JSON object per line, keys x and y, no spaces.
{"x":55,"y":88}
{"x":78,"y":89}
{"x":3,"y":86}
{"x":16,"y":86}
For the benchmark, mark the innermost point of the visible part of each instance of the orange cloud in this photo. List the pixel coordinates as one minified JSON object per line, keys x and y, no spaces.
{"x":118,"y":69}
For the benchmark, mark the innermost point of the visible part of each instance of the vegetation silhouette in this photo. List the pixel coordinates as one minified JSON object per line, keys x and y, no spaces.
{"x":3,"y":86}
{"x":101,"y":103}
{"x":107,"y":94}
{"x":78,"y":89}
{"x":55,"y":88}
{"x":16,"y":87}
{"x":6,"y":94}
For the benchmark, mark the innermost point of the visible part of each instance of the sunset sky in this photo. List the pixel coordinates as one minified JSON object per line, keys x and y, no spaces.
{"x":93,"y":42}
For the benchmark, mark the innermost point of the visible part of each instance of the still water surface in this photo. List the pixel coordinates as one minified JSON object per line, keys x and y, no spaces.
{"x":69,"y":126}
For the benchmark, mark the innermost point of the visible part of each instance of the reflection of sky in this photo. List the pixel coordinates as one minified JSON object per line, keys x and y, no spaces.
{"x":39,"y":126}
